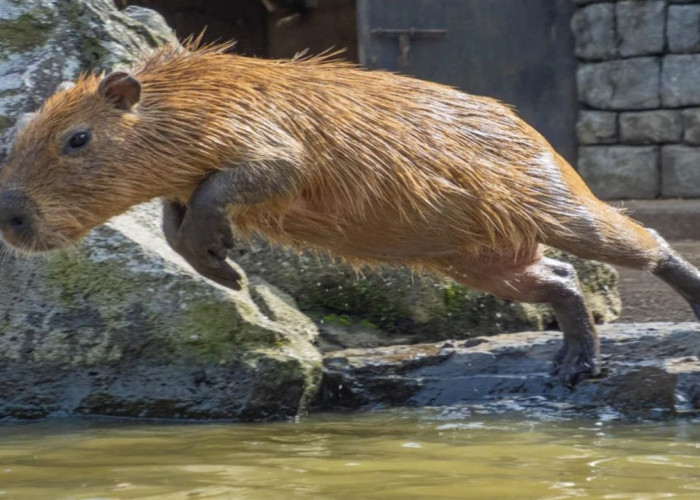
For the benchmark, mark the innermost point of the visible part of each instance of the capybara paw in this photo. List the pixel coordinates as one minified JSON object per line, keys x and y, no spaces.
{"x":207,"y":238}
{"x":210,"y":262}
{"x":574,"y":364}
{"x":224,"y":275}
{"x":203,"y":242}
{"x":209,"y":259}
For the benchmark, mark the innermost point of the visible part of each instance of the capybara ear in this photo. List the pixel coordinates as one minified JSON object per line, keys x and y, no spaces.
{"x":121,"y":89}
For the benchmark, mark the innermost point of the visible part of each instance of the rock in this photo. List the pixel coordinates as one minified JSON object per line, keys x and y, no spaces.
{"x":44,"y":42}
{"x":650,"y":127}
{"x":623,"y":84}
{"x":122,"y":326}
{"x":691,"y":125}
{"x":680,"y":171}
{"x":640,"y":27}
{"x":395,"y":305}
{"x":596,"y":127}
{"x":683,"y":30}
{"x":615,"y":172}
{"x":680,"y":80}
{"x":594,"y":32}
{"x":150,"y":18}
{"x":650,"y":369}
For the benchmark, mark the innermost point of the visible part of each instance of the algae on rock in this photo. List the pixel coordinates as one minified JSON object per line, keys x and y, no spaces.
{"x":393,"y":305}
{"x":122,"y":326}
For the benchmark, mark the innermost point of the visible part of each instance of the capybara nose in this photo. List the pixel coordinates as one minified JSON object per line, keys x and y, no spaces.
{"x":15,"y":216}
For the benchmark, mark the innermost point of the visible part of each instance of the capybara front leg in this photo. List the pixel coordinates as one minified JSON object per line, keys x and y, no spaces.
{"x":212,"y":267}
{"x":201,"y":231}
{"x":539,"y":279}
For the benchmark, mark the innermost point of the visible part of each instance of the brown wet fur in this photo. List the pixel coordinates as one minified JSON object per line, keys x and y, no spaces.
{"x":387,"y":169}
{"x":391,"y":168}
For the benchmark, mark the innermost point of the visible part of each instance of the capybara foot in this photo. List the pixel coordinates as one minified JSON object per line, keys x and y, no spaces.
{"x":202,"y":241}
{"x":575,"y":363}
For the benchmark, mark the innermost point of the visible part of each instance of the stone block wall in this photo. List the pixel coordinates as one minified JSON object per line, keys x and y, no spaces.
{"x":638,"y":84}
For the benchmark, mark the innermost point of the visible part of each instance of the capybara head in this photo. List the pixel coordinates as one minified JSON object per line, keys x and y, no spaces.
{"x":74,"y":165}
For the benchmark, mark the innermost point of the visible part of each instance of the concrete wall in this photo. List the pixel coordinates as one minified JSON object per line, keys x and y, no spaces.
{"x":639,"y":89}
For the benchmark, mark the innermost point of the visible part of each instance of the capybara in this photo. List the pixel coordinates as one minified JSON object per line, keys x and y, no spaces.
{"x":373,"y":166}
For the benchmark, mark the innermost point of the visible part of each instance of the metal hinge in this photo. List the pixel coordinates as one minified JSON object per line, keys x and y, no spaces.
{"x":405,"y":36}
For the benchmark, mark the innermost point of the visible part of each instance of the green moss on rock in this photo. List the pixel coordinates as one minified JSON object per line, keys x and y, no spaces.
{"x":417,"y":307}
{"x":26,"y":32}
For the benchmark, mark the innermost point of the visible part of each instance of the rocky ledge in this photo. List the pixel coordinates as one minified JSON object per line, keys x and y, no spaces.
{"x":650,"y":370}
{"x":121,"y":326}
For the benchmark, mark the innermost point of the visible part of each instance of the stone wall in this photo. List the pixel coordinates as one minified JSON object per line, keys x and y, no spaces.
{"x":639,"y":90}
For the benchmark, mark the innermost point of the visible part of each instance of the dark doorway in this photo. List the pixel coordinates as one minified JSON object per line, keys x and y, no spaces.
{"x":521,"y":52}
{"x":242,"y":20}
{"x":264,"y":28}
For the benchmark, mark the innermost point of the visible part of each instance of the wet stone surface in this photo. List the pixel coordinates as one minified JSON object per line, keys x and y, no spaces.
{"x":649,"y":370}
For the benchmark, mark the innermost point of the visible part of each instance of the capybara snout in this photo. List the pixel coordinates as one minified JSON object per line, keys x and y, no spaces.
{"x":16,"y":217}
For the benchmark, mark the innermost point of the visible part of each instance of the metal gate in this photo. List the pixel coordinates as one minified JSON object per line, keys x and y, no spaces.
{"x":519,"y":51}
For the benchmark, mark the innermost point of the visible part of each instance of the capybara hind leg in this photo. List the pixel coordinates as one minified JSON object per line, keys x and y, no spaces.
{"x":628,"y":244}
{"x":679,"y":274}
{"x":607,"y":235}
{"x":540,"y":280}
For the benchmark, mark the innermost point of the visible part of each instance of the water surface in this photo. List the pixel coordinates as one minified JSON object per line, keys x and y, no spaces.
{"x":441,"y":453}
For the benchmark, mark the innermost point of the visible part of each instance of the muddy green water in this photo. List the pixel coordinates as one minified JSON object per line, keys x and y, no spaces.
{"x":447,"y":453}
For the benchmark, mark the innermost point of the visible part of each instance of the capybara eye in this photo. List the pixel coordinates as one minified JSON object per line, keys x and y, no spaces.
{"x":77,"y":141}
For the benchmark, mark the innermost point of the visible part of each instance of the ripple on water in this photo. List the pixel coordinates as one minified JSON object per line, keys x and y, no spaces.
{"x":459,"y":452}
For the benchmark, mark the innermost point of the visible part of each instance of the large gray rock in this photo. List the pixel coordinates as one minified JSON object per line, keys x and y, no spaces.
{"x":122,"y":326}
{"x":650,"y":370}
{"x":45,"y":42}
{"x":618,"y":172}
{"x":597,"y":127}
{"x":680,"y":80}
{"x":650,"y":127}
{"x":680,"y":172}
{"x":622,"y":84}
{"x":640,"y":27}
{"x":396,"y":306}
{"x":594,"y":32}
{"x":683,"y":30}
